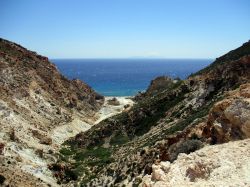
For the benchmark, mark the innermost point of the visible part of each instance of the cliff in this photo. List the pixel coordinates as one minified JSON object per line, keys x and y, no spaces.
{"x":180,"y":118}
{"x":36,"y":101}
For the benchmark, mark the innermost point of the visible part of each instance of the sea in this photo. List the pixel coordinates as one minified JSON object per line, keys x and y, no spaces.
{"x":126,"y":77}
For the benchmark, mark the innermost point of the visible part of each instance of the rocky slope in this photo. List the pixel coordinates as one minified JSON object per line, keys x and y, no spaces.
{"x":217,"y":165}
{"x":36,"y":102}
{"x":157,"y":85}
{"x":228,"y":120}
{"x":145,"y":145}
{"x":182,"y":117}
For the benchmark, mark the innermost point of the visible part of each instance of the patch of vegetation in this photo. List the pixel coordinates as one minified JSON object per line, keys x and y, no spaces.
{"x":99,"y":154}
{"x":187,"y":147}
{"x":2,"y":179}
{"x":160,"y":108}
{"x":66,"y":151}
{"x":194,"y":137}
{"x":119,"y":139}
{"x":84,"y":159}
{"x":236,"y":86}
{"x":182,"y":124}
{"x":71,"y":175}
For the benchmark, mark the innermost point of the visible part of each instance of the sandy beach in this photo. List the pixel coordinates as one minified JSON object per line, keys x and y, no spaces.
{"x":108,"y":110}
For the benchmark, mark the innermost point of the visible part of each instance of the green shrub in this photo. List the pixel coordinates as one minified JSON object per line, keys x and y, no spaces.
{"x":66,"y":151}
{"x":119,"y":139}
{"x":99,"y":152}
{"x":161,"y":106}
{"x":2,"y":179}
{"x":71,"y":175}
{"x":187,"y":147}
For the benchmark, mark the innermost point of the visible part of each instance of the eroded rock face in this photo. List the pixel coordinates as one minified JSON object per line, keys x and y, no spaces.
{"x":229,"y":119}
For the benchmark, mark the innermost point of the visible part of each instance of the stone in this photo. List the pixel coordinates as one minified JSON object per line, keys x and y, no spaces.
{"x":113,"y":101}
{"x":46,"y":141}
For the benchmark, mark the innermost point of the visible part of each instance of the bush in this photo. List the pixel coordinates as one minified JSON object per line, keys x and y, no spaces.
{"x":99,"y":152}
{"x":187,"y":147}
{"x":66,"y":152}
{"x":119,"y":139}
{"x":70,"y":175}
{"x":2,"y":179}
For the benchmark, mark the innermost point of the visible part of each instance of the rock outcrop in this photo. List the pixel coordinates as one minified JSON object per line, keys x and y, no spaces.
{"x":229,"y":119}
{"x":157,"y":85}
{"x":113,"y":101}
{"x":218,"y":165}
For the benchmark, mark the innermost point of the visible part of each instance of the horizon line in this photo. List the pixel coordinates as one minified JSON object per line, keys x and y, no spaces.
{"x":129,"y":58}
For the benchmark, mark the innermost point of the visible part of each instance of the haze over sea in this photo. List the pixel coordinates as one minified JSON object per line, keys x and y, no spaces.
{"x":125,"y":77}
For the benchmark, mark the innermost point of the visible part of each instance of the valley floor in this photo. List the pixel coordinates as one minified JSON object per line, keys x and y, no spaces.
{"x":64,"y":132}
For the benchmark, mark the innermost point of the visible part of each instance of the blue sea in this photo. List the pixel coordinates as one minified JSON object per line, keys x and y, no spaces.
{"x":125,"y":77}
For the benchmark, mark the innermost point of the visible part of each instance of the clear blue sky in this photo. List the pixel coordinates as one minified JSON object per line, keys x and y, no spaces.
{"x":126,"y":28}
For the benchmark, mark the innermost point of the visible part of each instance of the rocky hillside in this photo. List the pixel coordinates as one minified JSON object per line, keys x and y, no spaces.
{"x":217,"y":165}
{"x":37,"y":105}
{"x":157,"y":85}
{"x":182,"y":117}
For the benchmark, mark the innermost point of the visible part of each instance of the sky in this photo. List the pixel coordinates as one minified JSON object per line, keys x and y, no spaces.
{"x":126,"y":28}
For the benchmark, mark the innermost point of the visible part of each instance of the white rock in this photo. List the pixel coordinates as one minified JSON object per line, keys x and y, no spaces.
{"x":217,"y":165}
